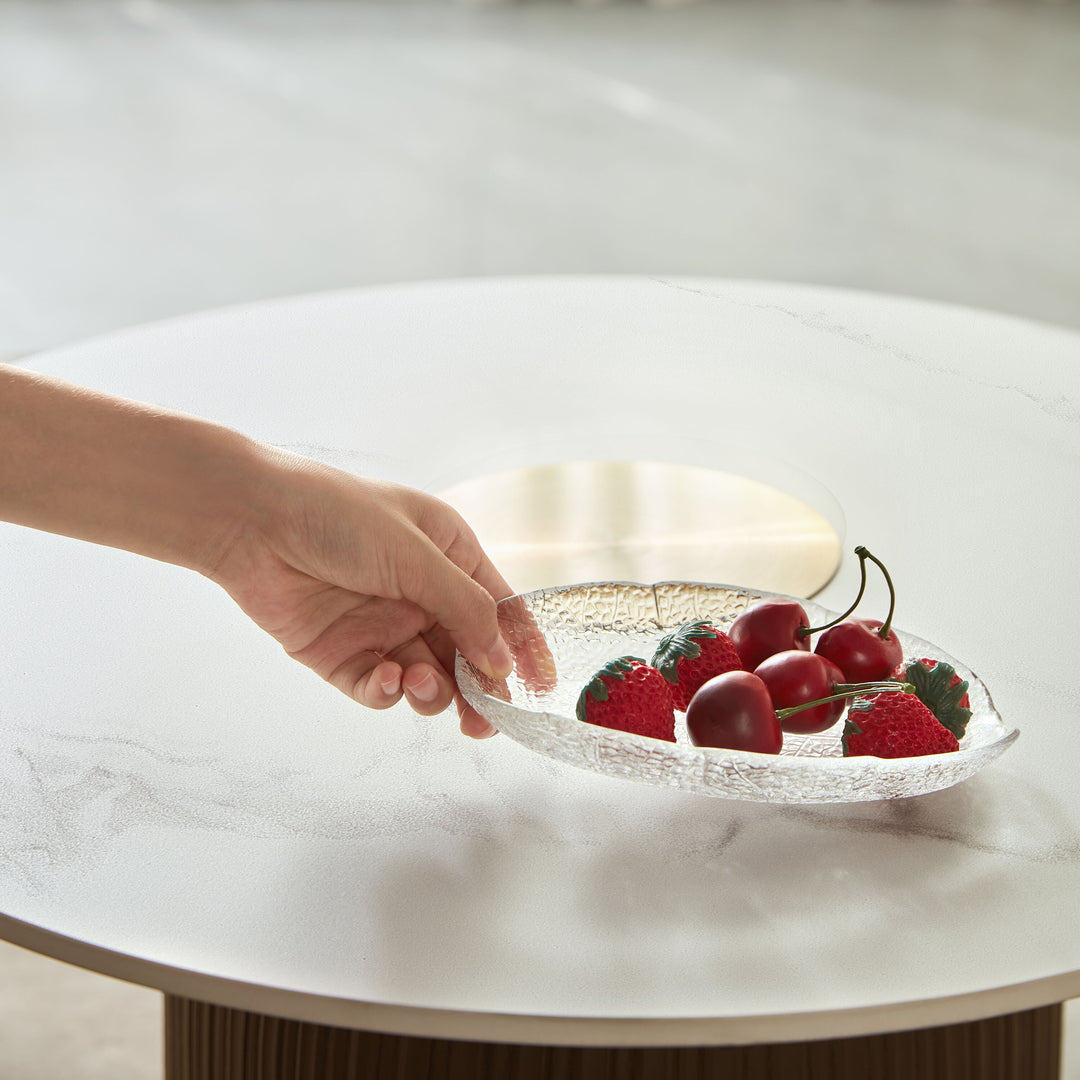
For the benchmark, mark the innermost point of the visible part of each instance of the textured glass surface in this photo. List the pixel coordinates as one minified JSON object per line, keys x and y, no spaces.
{"x":560,"y":637}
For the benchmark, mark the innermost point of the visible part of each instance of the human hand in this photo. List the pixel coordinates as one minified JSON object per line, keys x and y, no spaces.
{"x":371,"y":585}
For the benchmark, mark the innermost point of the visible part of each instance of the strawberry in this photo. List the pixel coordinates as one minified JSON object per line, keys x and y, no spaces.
{"x":894,"y":724}
{"x":940,"y":689}
{"x":629,"y":695}
{"x":691,"y":655}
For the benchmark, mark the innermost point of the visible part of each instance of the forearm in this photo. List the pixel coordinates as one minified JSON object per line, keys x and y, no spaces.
{"x":99,"y":468}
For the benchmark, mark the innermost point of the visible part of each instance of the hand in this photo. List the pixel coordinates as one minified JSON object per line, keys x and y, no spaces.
{"x":371,"y":585}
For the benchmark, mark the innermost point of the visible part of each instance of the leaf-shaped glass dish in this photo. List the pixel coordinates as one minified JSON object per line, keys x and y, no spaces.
{"x":561,"y":636}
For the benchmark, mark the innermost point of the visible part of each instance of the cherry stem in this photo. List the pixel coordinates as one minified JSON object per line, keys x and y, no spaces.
{"x":887,"y":625}
{"x":806,"y":631}
{"x":850,"y":690}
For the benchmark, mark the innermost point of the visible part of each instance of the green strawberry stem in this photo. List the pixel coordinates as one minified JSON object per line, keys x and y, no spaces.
{"x":862,"y":552}
{"x":806,"y":631}
{"x":850,"y":690}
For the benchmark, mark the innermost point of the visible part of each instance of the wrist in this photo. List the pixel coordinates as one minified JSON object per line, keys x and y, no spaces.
{"x":255,"y":501}
{"x":214,"y":493}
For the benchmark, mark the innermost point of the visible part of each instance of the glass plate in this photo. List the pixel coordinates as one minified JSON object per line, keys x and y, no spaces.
{"x":561,"y":636}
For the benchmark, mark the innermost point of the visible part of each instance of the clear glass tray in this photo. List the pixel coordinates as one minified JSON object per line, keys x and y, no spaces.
{"x":561,"y":636}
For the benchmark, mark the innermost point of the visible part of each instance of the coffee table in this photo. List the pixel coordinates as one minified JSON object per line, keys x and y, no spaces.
{"x":322,"y":891}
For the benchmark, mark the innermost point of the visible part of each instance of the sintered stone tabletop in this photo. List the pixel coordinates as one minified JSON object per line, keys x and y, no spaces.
{"x":182,"y":806}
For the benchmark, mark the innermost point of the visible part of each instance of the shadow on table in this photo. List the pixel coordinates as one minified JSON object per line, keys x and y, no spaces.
{"x":702,"y":906}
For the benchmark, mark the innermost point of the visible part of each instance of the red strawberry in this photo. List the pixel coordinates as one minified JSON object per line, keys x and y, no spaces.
{"x":894,"y":725}
{"x":629,"y":695}
{"x":690,"y":656}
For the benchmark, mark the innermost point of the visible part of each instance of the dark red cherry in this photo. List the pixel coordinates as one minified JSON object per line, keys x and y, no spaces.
{"x":859,"y":650}
{"x":734,"y":711}
{"x":863,"y":649}
{"x":769,"y":627}
{"x":795,"y":678}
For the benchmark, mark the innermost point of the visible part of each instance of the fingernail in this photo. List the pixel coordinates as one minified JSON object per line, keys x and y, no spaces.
{"x":426,"y":689}
{"x":499,"y":660}
{"x":390,"y":684}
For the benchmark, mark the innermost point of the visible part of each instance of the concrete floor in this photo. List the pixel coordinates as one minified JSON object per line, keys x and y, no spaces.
{"x":158,"y":158}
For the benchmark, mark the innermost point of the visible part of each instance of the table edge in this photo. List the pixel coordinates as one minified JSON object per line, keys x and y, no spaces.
{"x":678,"y":282}
{"x":551,"y":1030}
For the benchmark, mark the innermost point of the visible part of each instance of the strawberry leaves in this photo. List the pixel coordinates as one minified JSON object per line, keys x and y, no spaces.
{"x":935,"y":688}
{"x":597,"y":688}
{"x":851,"y":730}
{"x":681,"y":644}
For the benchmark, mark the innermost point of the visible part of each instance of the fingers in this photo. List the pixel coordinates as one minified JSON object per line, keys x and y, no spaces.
{"x":424,"y":686}
{"x":355,"y":655}
{"x":474,"y":725}
{"x":380,"y":687}
{"x":427,"y":691}
{"x":533,"y":660}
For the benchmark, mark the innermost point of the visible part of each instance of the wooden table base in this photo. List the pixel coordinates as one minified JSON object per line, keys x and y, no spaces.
{"x":208,"y":1042}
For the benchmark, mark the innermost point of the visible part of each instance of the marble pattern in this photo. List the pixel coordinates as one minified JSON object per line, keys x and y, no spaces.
{"x":163,"y":157}
{"x":269,"y":830}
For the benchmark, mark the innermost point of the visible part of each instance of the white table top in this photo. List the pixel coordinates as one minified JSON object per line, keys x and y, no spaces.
{"x":184,"y":807}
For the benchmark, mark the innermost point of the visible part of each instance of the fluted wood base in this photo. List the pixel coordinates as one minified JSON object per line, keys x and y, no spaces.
{"x":208,"y":1042}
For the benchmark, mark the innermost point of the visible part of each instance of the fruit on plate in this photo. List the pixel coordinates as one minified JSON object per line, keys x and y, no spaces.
{"x":781,"y":624}
{"x":794,"y":678}
{"x":629,"y":695}
{"x":940,"y":689}
{"x":767,"y":627}
{"x":894,"y":725}
{"x":735,"y":712}
{"x":863,"y":649}
{"x":690,"y":656}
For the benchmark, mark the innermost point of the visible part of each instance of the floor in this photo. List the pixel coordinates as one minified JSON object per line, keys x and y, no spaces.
{"x":162,"y":157}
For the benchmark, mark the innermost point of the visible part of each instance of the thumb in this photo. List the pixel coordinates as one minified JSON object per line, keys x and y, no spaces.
{"x":462,"y":606}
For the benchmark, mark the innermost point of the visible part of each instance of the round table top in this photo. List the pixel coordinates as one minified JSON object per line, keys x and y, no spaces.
{"x":186,"y":808}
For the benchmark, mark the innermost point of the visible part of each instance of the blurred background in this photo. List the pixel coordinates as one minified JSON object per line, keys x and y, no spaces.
{"x":158,"y":158}
{"x":163,"y":156}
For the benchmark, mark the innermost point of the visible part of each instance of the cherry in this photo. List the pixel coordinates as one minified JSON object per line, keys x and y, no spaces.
{"x":858,"y":648}
{"x":734,"y":711}
{"x":781,"y":624}
{"x":769,"y":627}
{"x":795,"y":678}
{"x":863,"y":649}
